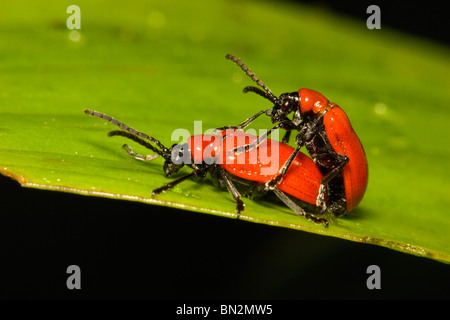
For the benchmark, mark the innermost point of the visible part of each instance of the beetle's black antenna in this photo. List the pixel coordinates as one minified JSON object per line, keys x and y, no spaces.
{"x":269,"y":95}
{"x":140,"y":141}
{"x":260,"y":92}
{"x":132,"y":134}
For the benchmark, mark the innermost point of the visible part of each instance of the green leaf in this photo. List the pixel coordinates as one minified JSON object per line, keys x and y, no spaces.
{"x":159,"y":67}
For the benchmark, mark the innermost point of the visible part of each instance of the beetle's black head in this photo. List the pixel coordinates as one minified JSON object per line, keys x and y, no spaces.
{"x":284,"y":105}
{"x":179,"y":156}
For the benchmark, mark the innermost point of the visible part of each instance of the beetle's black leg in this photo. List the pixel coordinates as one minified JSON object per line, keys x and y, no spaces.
{"x":223,"y":176}
{"x":334,"y":163}
{"x":320,"y":201}
{"x":343,"y":160}
{"x":340,"y":160}
{"x":305,"y":134}
{"x":297,"y":209}
{"x":272,"y":183}
{"x":336,"y":204}
{"x":258,"y":141}
{"x":195,"y":173}
{"x":247,"y":122}
{"x":286,"y":137}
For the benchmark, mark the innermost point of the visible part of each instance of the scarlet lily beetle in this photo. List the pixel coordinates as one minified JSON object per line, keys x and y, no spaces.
{"x":325,"y":130}
{"x":215,"y":154}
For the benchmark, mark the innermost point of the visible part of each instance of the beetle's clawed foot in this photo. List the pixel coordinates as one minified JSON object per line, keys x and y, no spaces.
{"x":320,"y":202}
{"x":239,"y":208}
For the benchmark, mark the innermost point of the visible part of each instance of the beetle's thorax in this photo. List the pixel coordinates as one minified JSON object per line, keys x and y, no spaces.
{"x":313,"y":101}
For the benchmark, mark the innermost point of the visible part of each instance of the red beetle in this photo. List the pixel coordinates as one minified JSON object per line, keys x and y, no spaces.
{"x":325,"y":130}
{"x":339,"y":149}
{"x":215,"y":154}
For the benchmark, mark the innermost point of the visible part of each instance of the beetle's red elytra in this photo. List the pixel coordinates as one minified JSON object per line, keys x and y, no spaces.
{"x":301,"y":181}
{"x":343,"y":141}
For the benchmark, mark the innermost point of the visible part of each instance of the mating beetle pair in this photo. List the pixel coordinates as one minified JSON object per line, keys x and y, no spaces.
{"x":336,"y":177}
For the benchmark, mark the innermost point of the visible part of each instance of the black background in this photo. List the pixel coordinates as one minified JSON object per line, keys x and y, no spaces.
{"x":425,"y":19}
{"x":134,"y":250}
